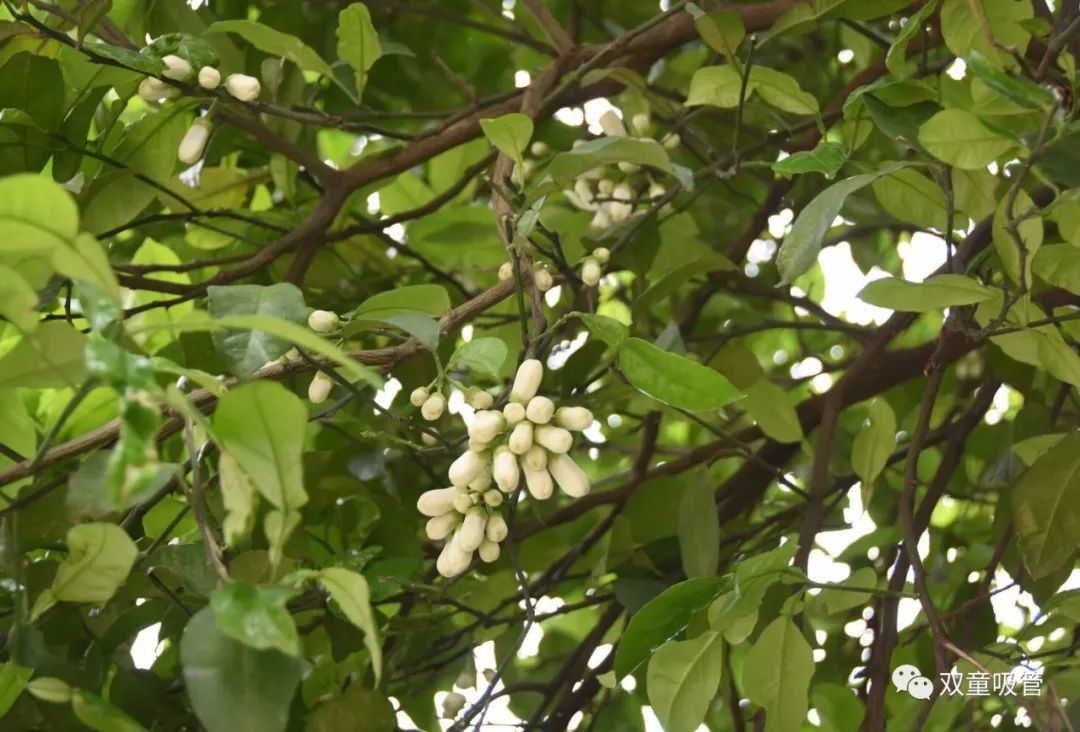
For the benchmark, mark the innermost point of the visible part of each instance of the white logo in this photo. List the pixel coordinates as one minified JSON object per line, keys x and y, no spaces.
{"x":910,"y":679}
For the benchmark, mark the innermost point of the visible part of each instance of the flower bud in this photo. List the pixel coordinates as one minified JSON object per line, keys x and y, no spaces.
{"x":641,"y":123}
{"x":489,"y":552}
{"x":319,"y":388}
{"x":428,"y":439}
{"x":612,"y":124}
{"x":176,"y":68}
{"x":671,"y":140}
{"x":452,"y":704}
{"x":440,"y":527}
{"x":466,"y":468}
{"x":478,"y":445}
{"x":496,"y":529}
{"x":471,"y":533}
{"x":527,"y":381}
{"x":569,"y":475}
{"x":419,"y":395}
{"x":514,"y":413}
{"x":539,"y":149}
{"x":433,"y":407}
{"x":543,"y":280}
{"x":481,"y":483}
{"x":657,"y":191}
{"x":467,"y":678}
{"x":322,"y":321}
{"x":489,"y":675}
{"x":505,"y":470}
{"x":50,"y":689}
{"x":479,"y":399}
{"x":521,"y":439}
{"x":154,"y":90}
{"x":539,"y":483}
{"x":463,"y":502}
{"x":606,"y":186}
{"x":620,"y":209}
{"x":438,"y":501}
{"x":590,"y":272}
{"x":485,"y":425}
{"x":209,"y":77}
{"x":601,"y":255}
{"x":600,"y":220}
{"x":452,"y":562}
{"x":535,"y":458}
{"x":584,"y":191}
{"x":629,"y":168}
{"x":575,"y":419}
{"x":194,"y":142}
{"x":553,"y":439}
{"x":243,"y":87}
{"x":493,"y":498}
{"x":506,"y":271}
{"x":539,"y":410}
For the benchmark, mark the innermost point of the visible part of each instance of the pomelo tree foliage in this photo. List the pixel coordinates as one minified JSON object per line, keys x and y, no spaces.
{"x":183,"y":450}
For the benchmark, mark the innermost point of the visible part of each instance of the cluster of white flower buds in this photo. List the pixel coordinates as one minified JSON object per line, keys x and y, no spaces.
{"x":612,"y":200}
{"x":239,"y":86}
{"x":321,"y":321}
{"x":541,"y":276}
{"x":529,"y":438}
{"x":592,"y":267}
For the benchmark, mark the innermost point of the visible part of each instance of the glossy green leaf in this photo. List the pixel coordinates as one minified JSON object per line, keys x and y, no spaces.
{"x":249,"y":350}
{"x":510,"y":134}
{"x":957,"y":137}
{"x":776,"y":675}
{"x":50,"y":357}
{"x":356,"y":710}
{"x":910,"y":196}
{"x":989,"y":27}
{"x":718,"y":86}
{"x":699,"y":529}
{"x":827,"y":158}
{"x":1059,"y":265}
{"x":1016,"y":89}
{"x":673,"y":379}
{"x":772,"y":408}
{"x":1046,"y":508}
{"x":482,"y":355}
{"x":275,"y":43}
{"x":36,"y":215}
{"x":934,"y":293}
{"x":839,"y":598}
{"x":100,"y":556}
{"x":350,"y":591}
{"x":256,"y":616}
{"x":874,"y":442}
{"x":357,"y":42}
{"x":896,"y":58}
{"x":683,"y":678}
{"x":566,"y":166}
{"x":98,"y":714}
{"x":782,"y":91}
{"x":13,"y":679}
{"x":723,"y":30}
{"x":1028,"y":223}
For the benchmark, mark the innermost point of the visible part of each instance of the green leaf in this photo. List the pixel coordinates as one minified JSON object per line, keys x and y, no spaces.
{"x":773,"y":410}
{"x":262,"y":425}
{"x":1060,"y":266}
{"x":837,"y":599}
{"x":910,"y":196}
{"x":566,"y":166}
{"x":935,"y":293}
{"x":673,"y":379}
{"x":896,"y":58}
{"x":781,"y":91}
{"x":718,"y":86}
{"x":1033,"y":448}
{"x":126,"y":57}
{"x":409,"y":308}
{"x":13,"y":679}
{"x":753,"y":577}
{"x":36,"y":215}
{"x":86,"y":261}
{"x":1046,"y":508}
{"x":18,"y":300}
{"x":776,"y":675}
{"x":801,"y":245}
{"x":957,"y":137}
{"x":238,"y":497}
{"x":482,"y":355}
{"x":964,"y":31}
{"x":275,"y":43}
{"x":358,"y":43}
{"x":609,"y":330}
{"x":724,"y":32}
{"x":356,"y":710}
{"x":660,"y":619}
{"x":256,"y":616}
{"x":1016,"y":89}
{"x":1029,"y":228}
{"x":874,"y":442}
{"x":249,"y":350}
{"x":827,"y":158}
{"x":148,"y":145}
{"x":510,"y":134}
{"x":100,"y":556}
{"x":350,"y":591}
{"x":699,"y":529}
{"x":233,"y":687}
{"x":98,"y":714}
{"x":50,"y":357}
{"x":35,"y":85}
{"x":1061,"y":159}
{"x":683,"y":678}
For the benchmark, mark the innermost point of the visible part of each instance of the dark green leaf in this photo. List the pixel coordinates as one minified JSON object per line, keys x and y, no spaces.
{"x":249,"y":350}
{"x":672,"y":379}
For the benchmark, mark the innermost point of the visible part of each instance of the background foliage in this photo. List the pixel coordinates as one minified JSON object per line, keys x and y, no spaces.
{"x":162,"y":469}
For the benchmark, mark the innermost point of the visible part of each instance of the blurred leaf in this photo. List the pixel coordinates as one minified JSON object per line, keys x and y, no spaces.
{"x":772,"y":409}
{"x":357,"y":42}
{"x":827,"y":158}
{"x":699,"y":529}
{"x":350,"y":591}
{"x":934,"y":293}
{"x":776,"y":675}
{"x":874,"y":443}
{"x":1046,"y":508}
{"x":100,"y":556}
{"x":275,"y":43}
{"x":50,"y":357}
{"x":510,"y":134}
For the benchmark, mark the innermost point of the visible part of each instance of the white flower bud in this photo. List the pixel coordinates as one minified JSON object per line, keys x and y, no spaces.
{"x":466,"y":468}
{"x":621,"y":211}
{"x":657,"y":191}
{"x":154,"y":90}
{"x":612,"y":124}
{"x":607,"y":187}
{"x":527,"y":168}
{"x":428,"y":439}
{"x":539,"y":149}
{"x":438,"y":501}
{"x":485,"y":425}
{"x":478,"y":445}
{"x":480,"y":399}
{"x":463,"y":502}
{"x":584,"y":191}
{"x":489,"y":552}
{"x":601,"y":255}
{"x":194,"y":142}
{"x":496,"y":529}
{"x":543,"y":280}
{"x":535,"y":458}
{"x":506,"y":271}
{"x":641,"y":123}
{"x":209,"y":77}
{"x":671,"y":140}
{"x":481,"y":483}
{"x":319,"y":388}
{"x":505,"y":470}
{"x":322,"y":321}
{"x":591,"y":272}
{"x":600,"y":220}
{"x":554,"y":439}
{"x":539,"y":483}
{"x":573,"y":418}
{"x":493,"y":498}
{"x":176,"y":68}
{"x":629,"y":168}
{"x":570,"y":477}
{"x":521,"y":439}
{"x":433,"y":407}
{"x":467,"y":678}
{"x":452,"y":562}
{"x":419,"y":395}
{"x":440,"y":527}
{"x":539,"y":410}
{"x":243,"y":87}
{"x":489,"y":675}
{"x":452,"y":704}
{"x":514,"y":413}
{"x":527,"y":381}
{"x":471,"y":533}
